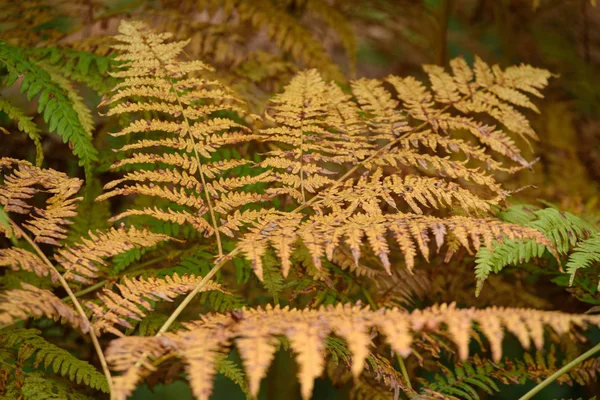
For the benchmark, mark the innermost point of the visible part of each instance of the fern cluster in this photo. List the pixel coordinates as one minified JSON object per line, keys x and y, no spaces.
{"x":325,"y":225}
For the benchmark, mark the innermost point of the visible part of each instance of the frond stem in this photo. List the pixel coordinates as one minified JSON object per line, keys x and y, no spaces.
{"x":76,"y":303}
{"x":403,"y":370}
{"x":539,"y":387}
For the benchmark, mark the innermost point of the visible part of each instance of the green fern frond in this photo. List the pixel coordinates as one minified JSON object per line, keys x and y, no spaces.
{"x":26,"y":125}
{"x":563,"y":229}
{"x":585,"y":254}
{"x":43,"y":354}
{"x":54,"y":103}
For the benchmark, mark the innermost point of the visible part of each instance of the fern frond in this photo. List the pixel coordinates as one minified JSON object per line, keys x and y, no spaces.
{"x":322,"y":126}
{"x":255,"y":332}
{"x":585,"y":254}
{"x":563,"y":229}
{"x":25,"y":124}
{"x":21,"y":259}
{"x":53,"y":358}
{"x":322,"y":234}
{"x":55,"y":103}
{"x":136,"y":296}
{"x":386,"y":122}
{"x":83,"y":261}
{"x":192,"y":131}
{"x":30,"y":301}
{"x":24,"y":182}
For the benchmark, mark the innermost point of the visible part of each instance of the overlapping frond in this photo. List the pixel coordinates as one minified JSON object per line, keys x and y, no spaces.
{"x":187,"y":130}
{"x":84,"y":261}
{"x":255,"y":333}
{"x":34,"y":302}
{"x":138,"y":295}
{"x":22,"y":181}
{"x":25,"y":124}
{"x":317,"y":127}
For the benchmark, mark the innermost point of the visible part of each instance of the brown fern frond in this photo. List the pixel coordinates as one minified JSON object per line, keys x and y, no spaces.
{"x":83,"y":261}
{"x":30,"y":301}
{"x":255,"y":333}
{"x":22,"y":181}
{"x":154,"y":80}
{"x":135,"y":297}
{"x":323,"y":127}
{"x":21,"y":259}
{"x":322,"y":234}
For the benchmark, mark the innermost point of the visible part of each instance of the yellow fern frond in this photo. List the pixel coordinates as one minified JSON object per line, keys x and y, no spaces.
{"x":31,"y":301}
{"x":22,"y":181}
{"x":322,"y":234}
{"x":155,"y":80}
{"x":386,"y":122}
{"x":323,"y":127}
{"x":135,"y":297}
{"x":84,"y":260}
{"x":255,"y":333}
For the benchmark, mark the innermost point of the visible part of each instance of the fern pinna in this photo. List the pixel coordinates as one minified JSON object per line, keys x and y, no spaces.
{"x":350,"y":191}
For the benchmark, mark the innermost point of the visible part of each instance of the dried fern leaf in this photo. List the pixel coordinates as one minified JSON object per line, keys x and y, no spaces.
{"x":255,"y":332}
{"x":22,"y":181}
{"x":136,"y":296}
{"x":30,"y":301}
{"x":84,"y":261}
{"x":188,"y":106}
{"x":323,"y":128}
{"x":322,"y":234}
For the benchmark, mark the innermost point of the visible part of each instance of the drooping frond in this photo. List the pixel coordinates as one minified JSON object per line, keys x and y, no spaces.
{"x":138,"y":295}
{"x":60,"y":105}
{"x":33,"y":302}
{"x":317,"y":128}
{"x":186,"y":132}
{"x":41,"y":353}
{"x":22,"y":181}
{"x":563,"y":229}
{"x":255,"y":333}
{"x":84,"y":260}
{"x":322,"y":234}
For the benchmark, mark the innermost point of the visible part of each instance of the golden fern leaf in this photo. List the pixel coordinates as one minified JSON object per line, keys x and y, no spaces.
{"x":135,"y":297}
{"x":83,"y":261}
{"x":322,"y":234}
{"x":417,"y":191}
{"x":19,"y":304}
{"x":255,"y":332}
{"x":323,"y":127}
{"x":184,"y":137}
{"x":386,"y":122}
{"x":23,"y":182}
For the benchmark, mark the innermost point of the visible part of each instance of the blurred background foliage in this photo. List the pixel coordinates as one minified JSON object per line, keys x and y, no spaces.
{"x":257,"y":45}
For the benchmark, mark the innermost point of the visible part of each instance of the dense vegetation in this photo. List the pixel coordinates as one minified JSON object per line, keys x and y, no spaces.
{"x":205,"y":199}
